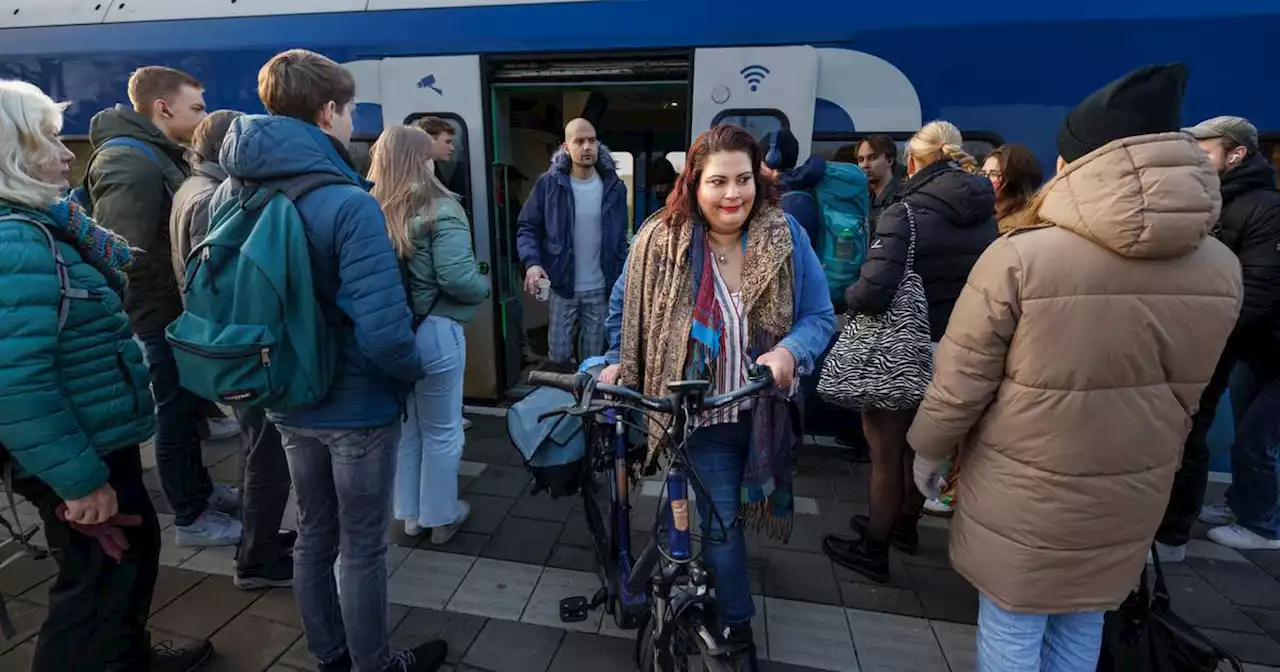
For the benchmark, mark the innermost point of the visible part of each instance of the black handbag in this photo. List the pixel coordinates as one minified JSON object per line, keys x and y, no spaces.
{"x":1144,"y":635}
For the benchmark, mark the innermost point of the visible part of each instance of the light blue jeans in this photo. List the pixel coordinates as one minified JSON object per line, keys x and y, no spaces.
{"x":431,"y":439}
{"x":1009,"y":642}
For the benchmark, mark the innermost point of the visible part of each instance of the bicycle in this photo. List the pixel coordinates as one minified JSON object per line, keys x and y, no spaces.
{"x":664,"y":591}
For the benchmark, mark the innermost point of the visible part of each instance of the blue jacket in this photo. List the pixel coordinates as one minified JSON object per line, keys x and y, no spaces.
{"x":811,"y":329}
{"x":357,"y":278}
{"x":798,"y":200}
{"x":65,"y":399}
{"x":545,"y":234}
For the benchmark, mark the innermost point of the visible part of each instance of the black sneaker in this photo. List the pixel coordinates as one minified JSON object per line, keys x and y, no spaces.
{"x":165,"y":657}
{"x":905,"y":536}
{"x":748,"y":660}
{"x":865,"y":556}
{"x":342,"y":664}
{"x":277,"y":574}
{"x":425,"y":658}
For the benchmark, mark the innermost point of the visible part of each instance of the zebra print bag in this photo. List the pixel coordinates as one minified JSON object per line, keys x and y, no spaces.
{"x":884,"y":361}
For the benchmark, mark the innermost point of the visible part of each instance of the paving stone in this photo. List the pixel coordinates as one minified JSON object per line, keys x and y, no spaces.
{"x":491,"y":451}
{"x":25,"y":573}
{"x":1243,"y":584}
{"x":395,"y":557}
{"x":171,"y":583}
{"x":20,"y":657}
{"x":887,"y":599}
{"x":1268,"y":619}
{"x":945,"y":595}
{"x":1247,"y":647}
{"x":462,"y":543}
{"x":487,"y":513}
{"x":575,"y":531}
{"x":1203,"y":548}
{"x":554,"y":585}
{"x":898,"y":576}
{"x":428,"y":579}
{"x":576,"y":558}
{"x":496,"y":589}
{"x":793,"y":575}
{"x":214,"y":560}
{"x":171,"y":554}
{"x":815,"y":635}
{"x":932,"y":551}
{"x":1267,"y":561}
{"x":202,"y":610}
{"x":298,"y":657}
{"x":770,"y":666}
{"x":27,"y":619}
{"x":277,"y":605}
{"x":959,"y":644}
{"x":806,"y":535}
{"x":504,"y":646}
{"x":423,"y":625}
{"x":760,"y":626}
{"x":543,"y":507}
{"x":250,"y":643}
{"x":523,"y":540}
{"x":887,"y":642}
{"x":500,"y":481}
{"x":580,"y":652}
{"x":1202,"y":606}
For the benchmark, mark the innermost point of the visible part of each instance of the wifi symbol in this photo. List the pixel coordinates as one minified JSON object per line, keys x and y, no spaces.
{"x":754,"y":74}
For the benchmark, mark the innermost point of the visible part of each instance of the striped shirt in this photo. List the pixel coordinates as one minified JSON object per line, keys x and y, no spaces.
{"x":731,"y":366}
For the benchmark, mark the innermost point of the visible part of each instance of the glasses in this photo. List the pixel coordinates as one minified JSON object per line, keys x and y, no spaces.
{"x":992,"y":174}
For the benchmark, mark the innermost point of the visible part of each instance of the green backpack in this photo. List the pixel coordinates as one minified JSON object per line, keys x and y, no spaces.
{"x":845,"y":202}
{"x":252,"y":332}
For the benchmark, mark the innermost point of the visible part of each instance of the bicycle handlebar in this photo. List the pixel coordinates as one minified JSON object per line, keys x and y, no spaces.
{"x":761,"y":378}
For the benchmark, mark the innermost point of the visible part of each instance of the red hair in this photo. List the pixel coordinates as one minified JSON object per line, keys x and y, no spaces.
{"x":682,"y":202}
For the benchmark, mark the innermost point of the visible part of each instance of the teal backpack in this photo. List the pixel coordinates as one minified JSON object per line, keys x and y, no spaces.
{"x":845,"y":203}
{"x":252,"y":332}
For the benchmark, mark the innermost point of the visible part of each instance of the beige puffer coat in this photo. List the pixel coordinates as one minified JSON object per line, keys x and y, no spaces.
{"x":1070,"y":369}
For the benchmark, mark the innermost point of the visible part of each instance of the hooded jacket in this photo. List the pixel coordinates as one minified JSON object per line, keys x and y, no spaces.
{"x":129,"y":197}
{"x":797,"y":187}
{"x":545,"y":234}
{"x":357,"y":278}
{"x":189,"y":221}
{"x":954,"y":225}
{"x":1250,"y":227}
{"x":1070,"y":370}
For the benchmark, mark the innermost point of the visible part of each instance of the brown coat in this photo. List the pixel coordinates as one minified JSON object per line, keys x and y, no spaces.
{"x":1069,"y":372}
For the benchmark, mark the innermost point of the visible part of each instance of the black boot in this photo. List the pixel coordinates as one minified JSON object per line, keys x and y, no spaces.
{"x":904,"y":536}
{"x":742,"y":635}
{"x":864,"y":555}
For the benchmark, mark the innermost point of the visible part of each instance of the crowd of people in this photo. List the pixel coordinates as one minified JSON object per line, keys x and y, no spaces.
{"x":1083,"y":331}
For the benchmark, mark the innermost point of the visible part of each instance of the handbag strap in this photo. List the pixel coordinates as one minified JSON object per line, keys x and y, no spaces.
{"x":911,"y":245}
{"x":1161,"y":591}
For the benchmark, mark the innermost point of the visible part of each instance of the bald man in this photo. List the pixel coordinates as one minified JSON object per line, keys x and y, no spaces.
{"x":573,"y":232}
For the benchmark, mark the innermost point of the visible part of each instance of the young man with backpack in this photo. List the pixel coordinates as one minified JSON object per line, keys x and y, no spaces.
{"x":136,"y":167}
{"x":298,"y":307}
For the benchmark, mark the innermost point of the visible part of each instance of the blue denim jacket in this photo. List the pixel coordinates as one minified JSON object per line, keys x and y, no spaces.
{"x":814,"y":322}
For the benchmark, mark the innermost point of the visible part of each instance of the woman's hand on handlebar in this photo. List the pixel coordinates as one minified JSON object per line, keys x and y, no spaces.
{"x":783,"y":365}
{"x":611,"y":374}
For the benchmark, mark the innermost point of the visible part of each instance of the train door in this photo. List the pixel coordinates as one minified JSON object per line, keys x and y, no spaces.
{"x":449,"y":87}
{"x":759,"y":88}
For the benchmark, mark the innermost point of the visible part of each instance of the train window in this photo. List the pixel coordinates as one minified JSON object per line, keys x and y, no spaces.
{"x":758,"y":122}
{"x":1269,"y":145}
{"x":844,"y":148}
{"x":455,"y":173}
{"x":82,"y":148}
{"x":360,"y":150}
{"x":677,"y":161}
{"x":625,"y":164}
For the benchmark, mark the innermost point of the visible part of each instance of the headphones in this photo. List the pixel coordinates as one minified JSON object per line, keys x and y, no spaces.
{"x":773,"y":158}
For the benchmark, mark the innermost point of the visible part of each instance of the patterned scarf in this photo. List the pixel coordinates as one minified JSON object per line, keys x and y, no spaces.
{"x":673,"y":328}
{"x":103,"y":249}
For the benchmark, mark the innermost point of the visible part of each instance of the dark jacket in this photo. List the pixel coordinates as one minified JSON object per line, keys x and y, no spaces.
{"x":358,"y":282}
{"x":189,"y":221}
{"x":798,"y":201}
{"x":886,"y":198}
{"x":69,"y":398}
{"x":954,"y":225}
{"x":545,"y":235}
{"x":1250,"y":227}
{"x":129,"y":197}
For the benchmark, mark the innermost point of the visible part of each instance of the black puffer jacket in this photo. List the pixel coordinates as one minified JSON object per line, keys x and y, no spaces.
{"x":954,"y":224}
{"x":1250,"y":226}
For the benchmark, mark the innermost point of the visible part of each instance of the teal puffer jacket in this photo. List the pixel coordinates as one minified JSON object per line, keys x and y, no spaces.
{"x":65,"y":399}
{"x":444,"y":278}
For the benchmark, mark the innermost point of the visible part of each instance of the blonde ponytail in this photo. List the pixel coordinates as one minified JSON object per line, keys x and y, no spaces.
{"x":962,"y":158}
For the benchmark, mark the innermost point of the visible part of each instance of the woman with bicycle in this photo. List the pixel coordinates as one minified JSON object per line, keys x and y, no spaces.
{"x":717,"y":280}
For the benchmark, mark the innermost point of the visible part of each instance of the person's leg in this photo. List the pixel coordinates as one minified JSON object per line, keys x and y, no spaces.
{"x":262,"y":561}
{"x":718,"y":455}
{"x":1072,"y":642}
{"x":563,"y":319}
{"x":363,"y":472}
{"x":1192,"y":477}
{"x":593,"y":308}
{"x":1253,"y":497}
{"x":314,"y":586}
{"x":887,"y":435}
{"x":1008,"y":642}
{"x":408,"y":488}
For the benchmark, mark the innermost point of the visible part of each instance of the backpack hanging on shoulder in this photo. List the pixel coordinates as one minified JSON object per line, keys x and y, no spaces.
{"x":253,"y":333}
{"x":80,"y":195}
{"x":844,"y":200}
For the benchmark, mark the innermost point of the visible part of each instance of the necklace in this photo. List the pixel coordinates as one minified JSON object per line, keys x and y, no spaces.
{"x":720,"y":256}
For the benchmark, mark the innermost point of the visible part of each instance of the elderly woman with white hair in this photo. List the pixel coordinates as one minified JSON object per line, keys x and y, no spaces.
{"x":74,"y":404}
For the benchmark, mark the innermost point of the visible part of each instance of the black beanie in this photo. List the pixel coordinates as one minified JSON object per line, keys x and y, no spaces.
{"x":1145,"y":101}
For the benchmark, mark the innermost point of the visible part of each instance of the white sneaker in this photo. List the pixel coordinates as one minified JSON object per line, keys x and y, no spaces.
{"x":1242,"y":539}
{"x":225,"y":498}
{"x":1217,"y":514}
{"x":1169,"y":553}
{"x":223,"y":428}
{"x":937,"y":508}
{"x":442,"y":535}
{"x":412,"y":528}
{"x":466,"y":424}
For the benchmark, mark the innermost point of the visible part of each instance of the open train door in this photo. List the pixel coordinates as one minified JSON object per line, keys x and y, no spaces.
{"x":449,"y":87}
{"x":759,"y":88}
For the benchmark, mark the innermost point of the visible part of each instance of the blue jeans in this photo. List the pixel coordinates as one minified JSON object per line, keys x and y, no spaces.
{"x":719,"y":455}
{"x":431,"y":439}
{"x":1255,"y":401}
{"x":1010,"y":642}
{"x":179,"y":461}
{"x":343,"y":478}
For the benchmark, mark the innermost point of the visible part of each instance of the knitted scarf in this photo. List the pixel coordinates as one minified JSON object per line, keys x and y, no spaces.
{"x":672,"y":329}
{"x":103,"y":249}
